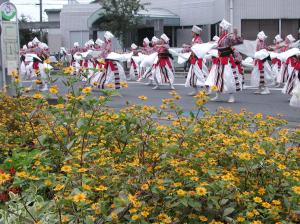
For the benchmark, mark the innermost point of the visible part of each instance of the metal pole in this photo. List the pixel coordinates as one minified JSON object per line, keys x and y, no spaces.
{"x":231,"y":14}
{"x":280,"y":27}
{"x":2,"y":72}
{"x":41,"y":19}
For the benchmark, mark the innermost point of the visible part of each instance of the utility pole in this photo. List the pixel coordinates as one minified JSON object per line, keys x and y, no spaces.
{"x":41,"y":18}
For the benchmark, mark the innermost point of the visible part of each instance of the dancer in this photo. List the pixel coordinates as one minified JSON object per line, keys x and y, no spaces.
{"x":164,"y":71}
{"x":134,"y":70}
{"x":295,"y":100}
{"x":225,"y":81}
{"x":196,"y":75}
{"x":286,"y":67}
{"x":261,"y":76}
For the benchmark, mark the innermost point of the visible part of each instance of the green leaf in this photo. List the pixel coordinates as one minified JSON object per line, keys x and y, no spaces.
{"x":184,"y":202}
{"x":70,"y":144}
{"x":224,"y":201}
{"x":194,"y":204}
{"x":81,"y":122}
{"x":228,"y":211}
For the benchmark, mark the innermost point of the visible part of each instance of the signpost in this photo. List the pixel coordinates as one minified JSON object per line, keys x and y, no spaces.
{"x":9,"y":46}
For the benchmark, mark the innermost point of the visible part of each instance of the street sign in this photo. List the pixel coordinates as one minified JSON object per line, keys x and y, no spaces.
{"x":8,"y":11}
{"x":9,"y":49}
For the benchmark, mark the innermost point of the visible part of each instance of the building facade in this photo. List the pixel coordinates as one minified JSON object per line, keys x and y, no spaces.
{"x":80,"y":22}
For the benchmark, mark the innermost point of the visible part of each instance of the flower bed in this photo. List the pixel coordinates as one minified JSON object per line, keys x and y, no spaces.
{"x":81,"y":162}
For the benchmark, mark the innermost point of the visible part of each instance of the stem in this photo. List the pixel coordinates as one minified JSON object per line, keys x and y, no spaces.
{"x":24,"y":204}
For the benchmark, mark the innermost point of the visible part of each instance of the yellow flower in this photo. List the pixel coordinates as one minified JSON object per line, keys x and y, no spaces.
{"x":59,"y":106}
{"x":296,"y":189}
{"x":65,"y":219}
{"x":145,"y":187}
{"x":37,"y":96}
{"x":145,"y":214}
{"x":68,"y":70}
{"x":178,"y":184}
{"x":250,"y":214}
{"x":80,"y":197}
{"x":245,"y":156}
{"x":86,"y":187}
{"x":110,"y":85}
{"x":82,"y":170}
{"x":134,"y":217}
{"x":47,"y":183}
{"x":261,"y":191}
{"x":87,"y":90}
{"x":22,"y":174}
{"x":203,"y":218}
{"x":281,"y":167}
{"x":59,"y":187}
{"x":181,"y":193}
{"x":276,"y":202}
{"x":266,"y":205}
{"x":14,"y":73}
{"x":256,"y":222}
{"x":201,"y":191}
{"x":66,"y":169}
{"x":143,"y":97}
{"x":101,"y":188}
{"x":257,"y":200}
{"x":102,"y":98}
{"x":53,"y":90}
{"x":240,"y":219}
{"x":4,"y":177}
{"x":38,"y":82}
{"x":133,"y":210}
{"x":124,"y":85}
{"x":261,"y":151}
{"x":47,"y":61}
{"x":214,"y":89}
{"x":114,"y":216}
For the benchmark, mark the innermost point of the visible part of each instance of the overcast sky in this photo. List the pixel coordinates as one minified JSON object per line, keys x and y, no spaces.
{"x":31,"y":10}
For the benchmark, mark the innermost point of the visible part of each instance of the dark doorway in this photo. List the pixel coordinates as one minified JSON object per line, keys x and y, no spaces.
{"x":251,"y":27}
{"x":143,"y":33}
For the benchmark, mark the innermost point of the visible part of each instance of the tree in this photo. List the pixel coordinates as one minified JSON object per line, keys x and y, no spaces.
{"x":27,"y":35}
{"x":120,"y":16}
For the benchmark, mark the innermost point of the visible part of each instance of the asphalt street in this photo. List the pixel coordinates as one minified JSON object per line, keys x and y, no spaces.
{"x":274,"y":104}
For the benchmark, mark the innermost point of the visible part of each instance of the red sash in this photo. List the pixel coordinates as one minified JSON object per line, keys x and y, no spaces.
{"x":260,"y":64}
{"x":35,"y":65}
{"x":276,"y":61}
{"x":111,"y":65}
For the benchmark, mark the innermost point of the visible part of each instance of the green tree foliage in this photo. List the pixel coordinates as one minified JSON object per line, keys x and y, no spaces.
{"x":120,"y":16}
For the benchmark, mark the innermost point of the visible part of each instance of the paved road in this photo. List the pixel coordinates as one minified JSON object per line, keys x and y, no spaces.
{"x":274,"y":104}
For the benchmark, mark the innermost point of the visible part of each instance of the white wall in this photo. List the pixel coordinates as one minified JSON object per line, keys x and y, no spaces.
{"x":73,"y":18}
{"x":193,"y":11}
{"x":263,"y":9}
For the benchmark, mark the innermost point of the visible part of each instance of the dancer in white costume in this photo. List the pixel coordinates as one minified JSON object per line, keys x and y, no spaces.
{"x":147,"y":72}
{"x":114,"y":72}
{"x":276,"y":63}
{"x":134,"y":70}
{"x":287,"y":66}
{"x":295,"y":100}
{"x":23,"y":72}
{"x":225,"y":80}
{"x":197,"y":73}
{"x":262,"y":76}
{"x":292,"y":80}
{"x":164,"y":71}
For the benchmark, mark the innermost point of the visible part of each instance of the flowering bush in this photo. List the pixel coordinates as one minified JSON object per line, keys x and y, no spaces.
{"x":81,"y":162}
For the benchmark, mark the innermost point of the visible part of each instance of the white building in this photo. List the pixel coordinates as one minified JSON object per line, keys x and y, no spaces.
{"x":80,"y":22}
